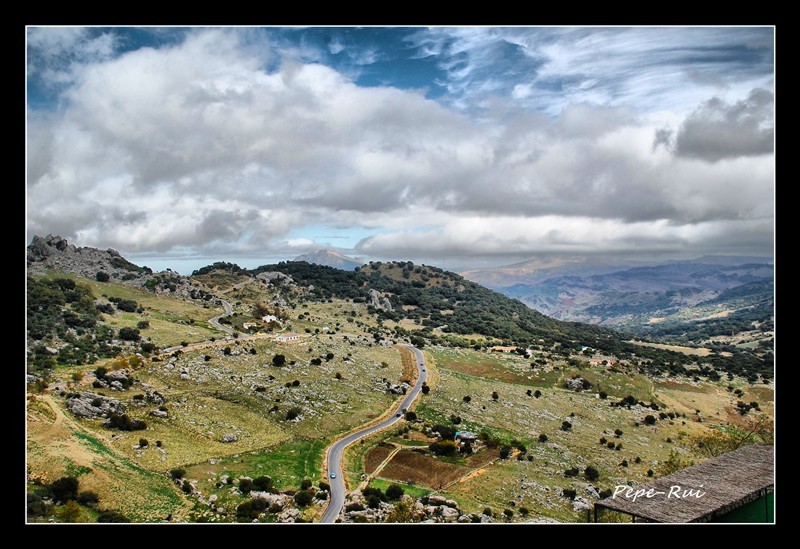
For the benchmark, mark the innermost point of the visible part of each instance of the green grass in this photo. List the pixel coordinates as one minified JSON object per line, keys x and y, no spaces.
{"x":413,"y":491}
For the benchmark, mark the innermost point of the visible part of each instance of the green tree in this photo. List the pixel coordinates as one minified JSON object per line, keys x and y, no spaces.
{"x":71,"y":512}
{"x":64,"y":489}
{"x":303,"y":498}
{"x":394,"y":492}
{"x":591,"y":473}
{"x":278,"y":360}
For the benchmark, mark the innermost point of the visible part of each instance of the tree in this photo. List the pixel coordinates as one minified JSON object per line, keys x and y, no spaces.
{"x":443,"y":448}
{"x":64,"y":489}
{"x":508,"y":513}
{"x":71,"y":512}
{"x":467,"y":399}
{"x":305,"y":484}
{"x":303,"y":498}
{"x":143,"y":443}
{"x":278,"y":360}
{"x":591,"y":473}
{"x":373,"y":501}
{"x":425,"y":389}
{"x":537,"y":393}
{"x":177,"y":473}
{"x":495,"y":396}
{"x":505,"y":451}
{"x":566,"y":426}
{"x":394,"y":492}
{"x":542,"y":437}
{"x":411,"y":416}
{"x":101,"y":276}
{"x":617,"y":433}
{"x":649,"y":419}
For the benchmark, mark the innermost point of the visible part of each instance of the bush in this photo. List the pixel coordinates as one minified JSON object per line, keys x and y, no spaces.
{"x":37,"y":507}
{"x":542,"y":437}
{"x":177,"y":473}
{"x":394,"y":492}
{"x":129,"y":334}
{"x":293,"y":413}
{"x":495,"y":396}
{"x":111,"y":517}
{"x":569,"y":493}
{"x":488,"y":512}
{"x":591,"y":473}
{"x":467,"y":399}
{"x":124,"y":423}
{"x":278,"y":360}
{"x":537,"y":393}
{"x":649,"y":420}
{"x":444,"y":448}
{"x":64,"y":489}
{"x":324,"y":486}
{"x":186,"y":487}
{"x":245,"y":485}
{"x":88,"y":498}
{"x":143,"y":324}
{"x":572,"y":472}
{"x":101,"y":276}
{"x":264,"y":484}
{"x":143,"y":443}
{"x":617,"y":433}
{"x":508,"y":513}
{"x":304,"y":498}
{"x":411,"y":416}
{"x":566,"y":426}
{"x":306,"y":484}
{"x":505,"y":451}
{"x":425,"y":389}
{"x":603,"y":395}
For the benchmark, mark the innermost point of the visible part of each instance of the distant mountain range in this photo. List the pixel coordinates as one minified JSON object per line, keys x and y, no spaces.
{"x":331,"y":258}
{"x":638,"y":297}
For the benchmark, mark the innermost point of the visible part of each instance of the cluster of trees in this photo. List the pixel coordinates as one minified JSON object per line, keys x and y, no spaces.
{"x":64,"y":492}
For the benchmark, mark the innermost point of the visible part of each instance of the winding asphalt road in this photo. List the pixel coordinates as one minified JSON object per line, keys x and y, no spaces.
{"x":335,"y":451}
{"x":215,"y":321}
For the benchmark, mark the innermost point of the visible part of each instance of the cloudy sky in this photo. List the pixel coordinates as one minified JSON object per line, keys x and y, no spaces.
{"x":459,"y":147}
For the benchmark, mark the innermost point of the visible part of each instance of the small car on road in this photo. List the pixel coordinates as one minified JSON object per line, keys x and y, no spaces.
{"x":333,"y":475}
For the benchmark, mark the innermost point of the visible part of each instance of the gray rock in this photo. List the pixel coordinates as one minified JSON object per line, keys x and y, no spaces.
{"x":116,"y":386}
{"x":464,"y":519}
{"x":91,"y":405}
{"x":289,"y":515}
{"x":378,"y":301}
{"x":451,"y":503}
{"x":272,"y":499}
{"x":436,"y":500}
{"x":575,"y":384}
{"x":184,"y":376}
{"x":159,"y":413}
{"x":118,"y":375}
{"x":228,"y":438}
{"x":448,"y":513}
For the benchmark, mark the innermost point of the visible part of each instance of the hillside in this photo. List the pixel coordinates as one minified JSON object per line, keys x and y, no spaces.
{"x":161,"y":416}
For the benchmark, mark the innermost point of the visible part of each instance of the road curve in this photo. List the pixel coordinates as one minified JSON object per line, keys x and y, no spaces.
{"x":215,"y":321}
{"x":335,"y":451}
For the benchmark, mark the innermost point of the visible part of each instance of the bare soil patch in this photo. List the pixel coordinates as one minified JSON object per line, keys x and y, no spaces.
{"x":375,"y":457}
{"x":414,"y":468}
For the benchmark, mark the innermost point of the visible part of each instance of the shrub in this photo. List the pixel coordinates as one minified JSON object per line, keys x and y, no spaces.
{"x":508,"y":513}
{"x":488,"y":512}
{"x":649,"y":419}
{"x":264,"y":484}
{"x":566,"y":426}
{"x":495,"y":396}
{"x":278,"y":360}
{"x":394,"y":492}
{"x":143,"y":324}
{"x":411,"y":416}
{"x":129,"y":334}
{"x":425,"y":389}
{"x":467,"y":399}
{"x":617,"y":433}
{"x":303,"y":498}
{"x":610,"y":445}
{"x":143,"y":443}
{"x":505,"y":451}
{"x":101,"y":276}
{"x":542,"y":437}
{"x":537,"y":393}
{"x":324,"y":486}
{"x":111,"y":516}
{"x":177,"y":473}
{"x":226,"y":351}
{"x":605,"y":493}
{"x":306,"y":484}
{"x":64,"y":489}
{"x":245,"y":485}
{"x":591,"y":473}
{"x":603,"y":395}
{"x":37,"y":507}
{"x":572,"y":472}
{"x":88,"y":498}
{"x":186,"y":487}
{"x":293,"y":413}
{"x":444,"y":448}
{"x":569,"y":493}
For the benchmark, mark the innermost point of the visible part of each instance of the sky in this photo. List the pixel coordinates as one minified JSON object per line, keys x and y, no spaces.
{"x":458,"y":147}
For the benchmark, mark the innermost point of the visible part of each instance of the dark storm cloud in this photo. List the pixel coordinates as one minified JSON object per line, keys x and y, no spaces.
{"x":720,"y":130}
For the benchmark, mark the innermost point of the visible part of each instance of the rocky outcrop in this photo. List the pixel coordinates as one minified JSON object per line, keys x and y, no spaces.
{"x":92,"y":406}
{"x":160,"y":413}
{"x":275,"y":278}
{"x":279,"y":500}
{"x":578,"y":384}
{"x":227,"y":438}
{"x":377,"y":300}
